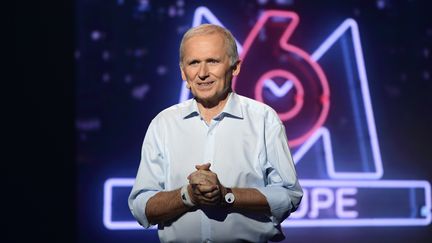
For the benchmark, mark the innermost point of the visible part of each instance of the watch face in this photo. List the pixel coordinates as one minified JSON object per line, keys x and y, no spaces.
{"x":229,"y":197}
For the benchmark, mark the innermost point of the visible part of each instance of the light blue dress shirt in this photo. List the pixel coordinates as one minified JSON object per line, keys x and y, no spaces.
{"x":247,"y":147}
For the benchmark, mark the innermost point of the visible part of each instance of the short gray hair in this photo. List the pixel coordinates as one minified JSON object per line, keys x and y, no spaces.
{"x":207,"y":29}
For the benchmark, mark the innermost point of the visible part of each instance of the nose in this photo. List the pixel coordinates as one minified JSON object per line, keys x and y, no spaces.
{"x":203,"y":71}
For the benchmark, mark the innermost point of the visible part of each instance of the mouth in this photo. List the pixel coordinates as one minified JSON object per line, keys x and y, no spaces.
{"x":205,"y":84}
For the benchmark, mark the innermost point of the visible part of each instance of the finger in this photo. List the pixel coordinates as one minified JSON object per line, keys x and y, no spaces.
{"x":197,"y":182}
{"x":197,"y":178}
{"x":203,"y":177}
{"x":205,"y":166}
{"x":207,"y":188}
{"x":208,"y":201}
{"x":198,"y":193}
{"x":215,"y":194}
{"x":203,"y":199}
{"x":205,"y":173}
{"x":207,"y":192}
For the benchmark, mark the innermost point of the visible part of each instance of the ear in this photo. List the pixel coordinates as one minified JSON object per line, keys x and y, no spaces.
{"x":183,"y":75}
{"x":236,"y":68}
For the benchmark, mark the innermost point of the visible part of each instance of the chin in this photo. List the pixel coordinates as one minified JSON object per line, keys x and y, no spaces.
{"x":202,"y":96}
{"x":205,"y":98}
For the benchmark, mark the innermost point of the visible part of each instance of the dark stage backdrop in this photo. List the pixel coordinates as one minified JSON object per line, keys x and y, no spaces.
{"x":351,"y":80}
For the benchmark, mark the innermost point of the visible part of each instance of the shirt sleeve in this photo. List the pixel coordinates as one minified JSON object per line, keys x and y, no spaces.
{"x":282,"y":191}
{"x":150,"y":178}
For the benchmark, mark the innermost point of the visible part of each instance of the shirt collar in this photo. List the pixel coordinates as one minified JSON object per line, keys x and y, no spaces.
{"x":190,"y":110}
{"x":232,"y":108}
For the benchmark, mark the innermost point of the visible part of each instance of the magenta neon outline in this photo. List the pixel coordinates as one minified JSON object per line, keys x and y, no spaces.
{"x":276,"y":90}
{"x":202,"y":11}
{"x":293,"y":79}
{"x":284,"y":43}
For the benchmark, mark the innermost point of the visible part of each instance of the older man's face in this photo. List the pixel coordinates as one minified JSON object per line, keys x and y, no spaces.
{"x":206,"y":67}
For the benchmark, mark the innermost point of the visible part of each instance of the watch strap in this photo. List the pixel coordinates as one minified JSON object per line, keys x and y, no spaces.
{"x":184,"y":194}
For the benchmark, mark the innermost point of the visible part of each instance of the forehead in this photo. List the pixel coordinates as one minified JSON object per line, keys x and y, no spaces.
{"x":208,"y":44}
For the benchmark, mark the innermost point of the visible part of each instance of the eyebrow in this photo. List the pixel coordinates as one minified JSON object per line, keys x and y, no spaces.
{"x":192,"y":60}
{"x":206,"y":60}
{"x":213,"y":59}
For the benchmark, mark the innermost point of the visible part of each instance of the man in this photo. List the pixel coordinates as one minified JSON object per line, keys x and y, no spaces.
{"x":216,"y":168}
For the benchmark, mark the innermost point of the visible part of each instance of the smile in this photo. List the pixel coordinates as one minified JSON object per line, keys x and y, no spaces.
{"x":204,"y":84}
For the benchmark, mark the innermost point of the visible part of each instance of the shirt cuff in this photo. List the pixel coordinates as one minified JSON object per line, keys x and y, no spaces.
{"x":139,"y":206}
{"x":279,"y":202}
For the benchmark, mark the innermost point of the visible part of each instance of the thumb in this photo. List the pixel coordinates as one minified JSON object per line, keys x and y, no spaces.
{"x":205,"y":166}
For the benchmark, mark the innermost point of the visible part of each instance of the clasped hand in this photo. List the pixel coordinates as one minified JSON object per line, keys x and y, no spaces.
{"x":205,"y":188}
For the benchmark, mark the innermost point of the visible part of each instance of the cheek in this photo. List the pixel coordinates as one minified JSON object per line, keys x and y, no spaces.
{"x":189,"y":74}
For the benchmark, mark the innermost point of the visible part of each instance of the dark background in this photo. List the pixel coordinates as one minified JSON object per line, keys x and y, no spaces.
{"x":52,"y":161}
{"x":39,"y":102}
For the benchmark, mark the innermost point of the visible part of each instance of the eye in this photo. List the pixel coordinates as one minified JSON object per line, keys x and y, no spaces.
{"x":193,"y":62}
{"x":213,"y":61}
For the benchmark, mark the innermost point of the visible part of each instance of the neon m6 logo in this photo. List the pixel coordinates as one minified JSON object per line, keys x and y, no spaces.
{"x":324,"y":102}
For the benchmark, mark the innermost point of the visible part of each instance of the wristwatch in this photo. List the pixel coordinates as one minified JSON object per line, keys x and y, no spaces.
{"x":229,"y":196}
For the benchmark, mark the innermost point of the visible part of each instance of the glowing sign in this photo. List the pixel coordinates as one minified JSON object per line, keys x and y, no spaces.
{"x":306,"y":108}
{"x":298,"y":88}
{"x":334,"y":203}
{"x":107,"y":207}
{"x":329,"y":203}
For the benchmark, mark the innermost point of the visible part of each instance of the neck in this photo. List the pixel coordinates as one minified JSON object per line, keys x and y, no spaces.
{"x":209,"y":110}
